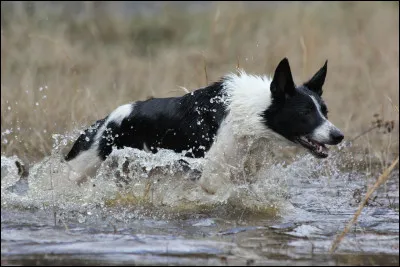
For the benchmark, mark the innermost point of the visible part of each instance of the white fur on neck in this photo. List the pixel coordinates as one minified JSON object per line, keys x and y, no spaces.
{"x":248,"y":97}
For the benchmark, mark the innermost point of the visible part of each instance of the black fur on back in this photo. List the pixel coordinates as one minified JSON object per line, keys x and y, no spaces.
{"x":183,"y":124}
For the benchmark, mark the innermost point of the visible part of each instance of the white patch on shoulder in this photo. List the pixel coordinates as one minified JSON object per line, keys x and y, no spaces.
{"x":116,"y":116}
{"x":248,"y":96}
{"x":120,"y":113}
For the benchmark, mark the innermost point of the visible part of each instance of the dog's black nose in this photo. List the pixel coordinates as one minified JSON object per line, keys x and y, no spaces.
{"x":336,"y":137}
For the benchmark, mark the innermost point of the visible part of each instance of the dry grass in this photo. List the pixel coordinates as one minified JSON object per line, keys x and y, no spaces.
{"x":90,"y":65}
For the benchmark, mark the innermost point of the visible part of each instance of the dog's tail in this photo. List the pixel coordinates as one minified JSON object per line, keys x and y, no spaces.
{"x":95,"y":144}
{"x":83,"y":157}
{"x":85,"y":141}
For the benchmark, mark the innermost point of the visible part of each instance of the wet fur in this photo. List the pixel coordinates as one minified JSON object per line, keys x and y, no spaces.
{"x":210,"y":119}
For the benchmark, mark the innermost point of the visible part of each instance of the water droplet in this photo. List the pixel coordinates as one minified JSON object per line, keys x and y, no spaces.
{"x":81,"y":218}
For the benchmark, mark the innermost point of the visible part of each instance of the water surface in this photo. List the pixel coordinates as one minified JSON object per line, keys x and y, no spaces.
{"x":150,"y":211}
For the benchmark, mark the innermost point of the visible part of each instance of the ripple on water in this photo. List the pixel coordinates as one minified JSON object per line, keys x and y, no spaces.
{"x":313,"y":199}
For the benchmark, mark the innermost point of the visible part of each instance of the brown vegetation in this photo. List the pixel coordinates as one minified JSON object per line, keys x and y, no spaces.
{"x":88,"y":65}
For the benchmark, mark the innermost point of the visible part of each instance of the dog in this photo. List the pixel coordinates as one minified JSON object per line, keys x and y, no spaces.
{"x":210,"y":118}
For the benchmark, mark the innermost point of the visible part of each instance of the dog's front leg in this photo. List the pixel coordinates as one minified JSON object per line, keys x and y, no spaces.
{"x":221,"y":161}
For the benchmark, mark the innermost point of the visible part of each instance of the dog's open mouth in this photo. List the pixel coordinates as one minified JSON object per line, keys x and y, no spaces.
{"x":317,"y":149}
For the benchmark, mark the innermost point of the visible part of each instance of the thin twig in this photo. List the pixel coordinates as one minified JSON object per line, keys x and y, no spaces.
{"x":393,"y":104}
{"x":65,"y":225}
{"x":383,"y":178}
{"x":180,"y":87}
{"x":147,"y":190}
{"x":205,"y":68}
{"x":363,"y":133}
{"x":184,"y":89}
{"x":304,"y":49}
{"x":52,"y":194}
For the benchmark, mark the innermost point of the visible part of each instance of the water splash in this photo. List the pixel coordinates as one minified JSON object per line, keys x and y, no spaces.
{"x":143,"y":183}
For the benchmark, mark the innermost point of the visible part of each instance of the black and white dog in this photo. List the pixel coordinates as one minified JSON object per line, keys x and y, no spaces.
{"x":195,"y":123}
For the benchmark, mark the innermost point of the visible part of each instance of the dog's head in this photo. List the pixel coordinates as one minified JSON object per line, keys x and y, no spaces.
{"x":298,"y":113}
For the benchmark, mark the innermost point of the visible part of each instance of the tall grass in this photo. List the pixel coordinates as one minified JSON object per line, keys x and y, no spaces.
{"x":61,"y":71}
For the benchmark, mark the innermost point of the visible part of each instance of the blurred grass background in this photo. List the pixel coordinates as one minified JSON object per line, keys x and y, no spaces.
{"x":65,"y":65}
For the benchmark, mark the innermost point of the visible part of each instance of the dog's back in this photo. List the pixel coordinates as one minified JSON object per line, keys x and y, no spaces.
{"x":186,"y":124}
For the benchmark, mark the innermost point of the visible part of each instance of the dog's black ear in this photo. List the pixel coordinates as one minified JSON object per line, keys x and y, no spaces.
{"x":317,"y":81}
{"x":282,"y":84}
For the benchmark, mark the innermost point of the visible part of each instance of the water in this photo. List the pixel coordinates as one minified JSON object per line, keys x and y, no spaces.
{"x":151,"y":210}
